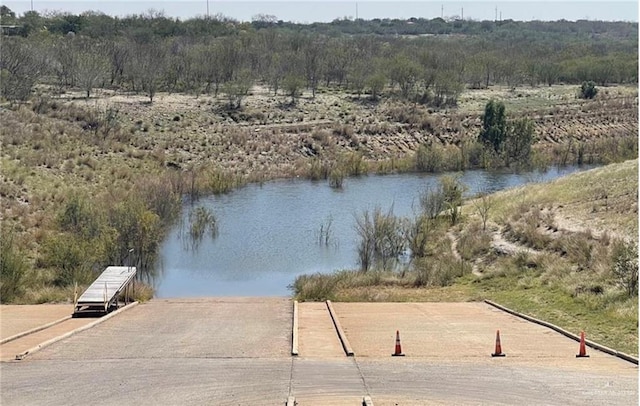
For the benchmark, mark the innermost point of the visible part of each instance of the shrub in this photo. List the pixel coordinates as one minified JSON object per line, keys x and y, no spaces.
{"x":13,"y":268}
{"x":316,"y":287}
{"x":429,"y":158}
{"x":382,"y":239}
{"x":588,"y":90}
{"x":336,"y":178}
{"x":625,"y":267}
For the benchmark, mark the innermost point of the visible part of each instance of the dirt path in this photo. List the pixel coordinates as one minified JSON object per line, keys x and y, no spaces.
{"x":456,"y":253}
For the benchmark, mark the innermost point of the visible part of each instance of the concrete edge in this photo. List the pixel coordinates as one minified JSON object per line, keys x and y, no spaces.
{"x":341,"y":335}
{"x":47,"y":343}
{"x":566,"y":333}
{"x":291,"y":401}
{"x":366,"y":401}
{"x":294,"y":332}
{"x":34,"y":330}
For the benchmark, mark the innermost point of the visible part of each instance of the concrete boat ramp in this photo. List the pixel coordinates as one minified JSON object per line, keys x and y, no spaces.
{"x":238,"y":351}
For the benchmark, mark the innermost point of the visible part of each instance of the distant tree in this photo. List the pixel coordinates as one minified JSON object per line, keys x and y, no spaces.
{"x":91,"y":66}
{"x":21,"y":66}
{"x":149,"y":67}
{"x":293,"y":85}
{"x":119,"y":54}
{"x":494,"y":126}
{"x":238,"y":88}
{"x":313,"y":54}
{"x":549,"y":72}
{"x":7,"y":16}
{"x":446,"y":89}
{"x":358,"y":77}
{"x":376,"y":83}
{"x":520,"y":137}
{"x":405,"y":73}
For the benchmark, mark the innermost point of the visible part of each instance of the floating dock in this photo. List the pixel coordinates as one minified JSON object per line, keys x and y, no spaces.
{"x":102,"y":295}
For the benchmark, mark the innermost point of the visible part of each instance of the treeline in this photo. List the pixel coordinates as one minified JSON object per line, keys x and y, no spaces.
{"x":156,"y":23}
{"x":151,"y":53}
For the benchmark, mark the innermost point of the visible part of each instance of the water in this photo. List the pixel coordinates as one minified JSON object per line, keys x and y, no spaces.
{"x":268,"y":234}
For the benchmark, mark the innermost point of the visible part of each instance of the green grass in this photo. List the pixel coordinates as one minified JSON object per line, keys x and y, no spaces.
{"x":605,"y":319}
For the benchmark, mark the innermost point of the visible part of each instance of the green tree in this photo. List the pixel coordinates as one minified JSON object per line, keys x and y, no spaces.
{"x":520,"y":137}
{"x":494,"y":126}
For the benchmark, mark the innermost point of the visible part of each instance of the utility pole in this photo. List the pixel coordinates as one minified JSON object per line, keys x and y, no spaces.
{"x":496,"y":19}
{"x":207,"y":9}
{"x":356,"y":11}
{"x":442,"y":11}
{"x":462,"y":13}
{"x":31,"y":5}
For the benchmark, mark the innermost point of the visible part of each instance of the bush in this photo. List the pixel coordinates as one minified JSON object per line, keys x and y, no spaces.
{"x":625,"y":267}
{"x":71,"y":256}
{"x":588,"y":90}
{"x":316,"y":287}
{"x":13,"y":268}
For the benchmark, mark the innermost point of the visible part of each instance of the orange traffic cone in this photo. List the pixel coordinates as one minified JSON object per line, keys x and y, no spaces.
{"x":398,"y":351}
{"x":583,"y":348}
{"x":498,"y":352}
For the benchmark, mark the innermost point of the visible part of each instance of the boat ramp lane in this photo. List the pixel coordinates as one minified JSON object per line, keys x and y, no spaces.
{"x":102,"y":295}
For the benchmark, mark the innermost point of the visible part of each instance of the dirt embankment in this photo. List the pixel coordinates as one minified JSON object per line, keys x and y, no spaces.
{"x":269,"y":135}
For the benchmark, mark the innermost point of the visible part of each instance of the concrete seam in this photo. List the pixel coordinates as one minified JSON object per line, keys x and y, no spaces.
{"x":566,"y":333}
{"x":47,"y":343}
{"x":34,"y":330}
{"x":294,"y":332}
{"x":341,"y":335}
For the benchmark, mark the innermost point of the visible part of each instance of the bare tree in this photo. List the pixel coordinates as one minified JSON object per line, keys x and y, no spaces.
{"x":149,"y":67}
{"x":90,"y":67}
{"x":483,"y":205}
{"x":21,"y":65}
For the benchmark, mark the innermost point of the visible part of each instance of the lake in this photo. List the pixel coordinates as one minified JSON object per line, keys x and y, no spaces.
{"x":268,"y":234}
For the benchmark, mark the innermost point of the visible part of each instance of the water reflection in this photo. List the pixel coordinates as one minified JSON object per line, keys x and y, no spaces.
{"x":268,"y":234}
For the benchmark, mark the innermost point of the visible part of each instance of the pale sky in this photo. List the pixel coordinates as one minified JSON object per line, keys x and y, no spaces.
{"x":307,"y":11}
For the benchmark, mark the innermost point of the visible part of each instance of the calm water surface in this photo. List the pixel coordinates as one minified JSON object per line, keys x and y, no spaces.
{"x":268,"y":234}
